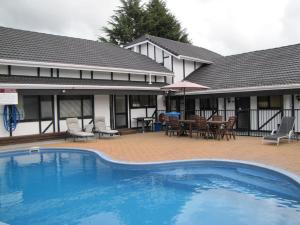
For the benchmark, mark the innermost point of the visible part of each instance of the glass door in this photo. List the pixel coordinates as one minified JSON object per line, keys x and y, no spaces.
{"x":242,"y":106}
{"x":121,"y":110}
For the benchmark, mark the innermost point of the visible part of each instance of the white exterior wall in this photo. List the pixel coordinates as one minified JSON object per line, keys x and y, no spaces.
{"x":102,"y":75}
{"x":69,"y":73}
{"x":121,"y":76}
{"x":161,"y":103}
{"x":253,"y":113}
{"x":140,"y":112}
{"x":3,"y":70}
{"x":178,"y":69}
{"x":45,"y":72}
{"x":137,"y":77}
{"x":189,"y":67}
{"x":23,"y":71}
{"x":3,"y":132}
{"x":101,"y":104}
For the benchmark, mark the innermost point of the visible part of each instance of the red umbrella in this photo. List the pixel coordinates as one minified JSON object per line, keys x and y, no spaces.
{"x":184,"y":86}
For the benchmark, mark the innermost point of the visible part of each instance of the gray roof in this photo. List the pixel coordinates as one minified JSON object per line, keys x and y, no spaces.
{"x":179,"y":48}
{"x":277,"y":66}
{"x":72,"y":81}
{"x":39,"y":47}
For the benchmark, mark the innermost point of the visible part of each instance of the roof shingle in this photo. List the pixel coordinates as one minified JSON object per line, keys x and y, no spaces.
{"x":39,"y":47}
{"x":277,"y":66}
{"x":178,"y":48}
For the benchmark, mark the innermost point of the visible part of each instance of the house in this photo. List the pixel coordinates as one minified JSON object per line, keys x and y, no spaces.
{"x":58,"y":77}
{"x":259,"y":87}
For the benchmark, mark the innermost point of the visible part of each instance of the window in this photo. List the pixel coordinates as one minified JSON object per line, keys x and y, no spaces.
{"x":46,"y":107}
{"x":208,"y":103}
{"x":75,"y":106}
{"x":142,"y":101}
{"x":33,"y":107}
{"x":269,"y":102}
{"x":30,"y":108}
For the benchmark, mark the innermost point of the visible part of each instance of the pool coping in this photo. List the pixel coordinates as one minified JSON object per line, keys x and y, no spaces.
{"x":109,"y":159}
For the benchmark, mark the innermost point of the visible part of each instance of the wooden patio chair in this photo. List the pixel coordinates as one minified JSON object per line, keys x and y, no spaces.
{"x":228,"y":130}
{"x":173,"y":126}
{"x":201,"y":127}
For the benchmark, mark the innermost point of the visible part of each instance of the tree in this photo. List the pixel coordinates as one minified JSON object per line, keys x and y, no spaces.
{"x":127,"y":23}
{"x":132,"y":20}
{"x":160,"y":22}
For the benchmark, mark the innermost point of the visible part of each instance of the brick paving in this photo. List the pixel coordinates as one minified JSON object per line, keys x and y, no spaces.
{"x":151,"y":147}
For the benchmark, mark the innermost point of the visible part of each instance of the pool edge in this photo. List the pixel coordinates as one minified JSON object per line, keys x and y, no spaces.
{"x":109,"y":159}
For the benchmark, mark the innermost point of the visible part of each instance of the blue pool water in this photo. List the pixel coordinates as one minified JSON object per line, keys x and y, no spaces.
{"x":78,"y":187}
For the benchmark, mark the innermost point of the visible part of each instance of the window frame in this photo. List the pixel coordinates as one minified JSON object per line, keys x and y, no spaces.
{"x":39,"y":118}
{"x":142,"y":106}
{"x":76,"y":97}
{"x":269,"y":103}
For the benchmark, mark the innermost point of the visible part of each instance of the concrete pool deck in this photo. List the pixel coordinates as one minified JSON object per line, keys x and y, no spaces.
{"x":151,"y":147}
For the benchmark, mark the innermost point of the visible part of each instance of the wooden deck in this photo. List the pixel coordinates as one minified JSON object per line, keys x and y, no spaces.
{"x":150,"y":147}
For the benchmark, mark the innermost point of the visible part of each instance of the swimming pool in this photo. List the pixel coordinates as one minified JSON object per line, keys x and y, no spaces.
{"x":63,"y":186}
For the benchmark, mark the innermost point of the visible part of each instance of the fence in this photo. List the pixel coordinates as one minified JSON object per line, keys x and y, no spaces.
{"x":250,"y":122}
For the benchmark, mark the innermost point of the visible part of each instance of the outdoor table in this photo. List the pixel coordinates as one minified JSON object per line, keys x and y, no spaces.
{"x":143,"y":120}
{"x":215,"y":127}
{"x":190,"y":124}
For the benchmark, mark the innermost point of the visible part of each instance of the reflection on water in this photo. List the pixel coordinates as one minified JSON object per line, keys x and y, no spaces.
{"x":74,"y":187}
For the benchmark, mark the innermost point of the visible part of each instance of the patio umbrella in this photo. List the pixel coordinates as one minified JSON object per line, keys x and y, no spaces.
{"x":184,"y":86}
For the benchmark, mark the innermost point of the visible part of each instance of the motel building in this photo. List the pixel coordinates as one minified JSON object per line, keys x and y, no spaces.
{"x":49,"y":78}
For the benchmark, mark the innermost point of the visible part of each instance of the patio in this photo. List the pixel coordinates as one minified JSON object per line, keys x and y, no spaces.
{"x":151,"y":147}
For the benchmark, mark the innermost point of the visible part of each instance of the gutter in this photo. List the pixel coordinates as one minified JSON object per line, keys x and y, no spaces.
{"x":80,"y":67}
{"x":246,"y":89}
{"x":75,"y":87}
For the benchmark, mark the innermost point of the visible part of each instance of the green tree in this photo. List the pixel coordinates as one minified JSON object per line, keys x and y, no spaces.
{"x":127,"y":23}
{"x":160,"y":22}
{"x":132,"y":20}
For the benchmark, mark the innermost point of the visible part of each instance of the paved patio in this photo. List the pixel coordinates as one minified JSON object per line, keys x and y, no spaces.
{"x":150,"y":147}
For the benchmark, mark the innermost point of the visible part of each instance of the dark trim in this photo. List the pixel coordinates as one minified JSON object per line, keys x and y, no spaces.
{"x":129,"y":110}
{"x":163,"y":57}
{"x":165,"y":79}
{"x":51,"y":72}
{"x":147,"y":49}
{"x":145,"y":76}
{"x":47,"y":128}
{"x":225,"y":106}
{"x":53,"y":112}
{"x":269,"y":120}
{"x":172,"y":63}
{"x":9,"y":70}
{"x":82,"y":116}
{"x":80,"y":74}
{"x":58,"y":112}
{"x":93,"y":107}
{"x":155,"y":78}
{"x":154,"y":52}
{"x":57,"y":72}
{"x":172,"y":80}
{"x":92,"y":75}
{"x":38,"y":71}
{"x":195,"y":65}
{"x":183,"y":67}
{"x":129,"y":76}
{"x":39,"y":114}
{"x":111,"y":76}
{"x":111,"y":111}
{"x":140,"y":49}
{"x":293,"y":105}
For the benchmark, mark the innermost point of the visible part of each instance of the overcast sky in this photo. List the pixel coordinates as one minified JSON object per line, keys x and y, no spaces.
{"x":225,"y":26}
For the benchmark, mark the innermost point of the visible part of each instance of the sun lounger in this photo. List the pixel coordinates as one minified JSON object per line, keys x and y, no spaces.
{"x":102,"y":129}
{"x":285,"y":131}
{"x":75,"y":131}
